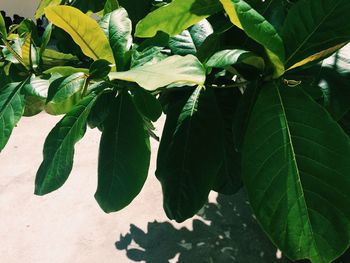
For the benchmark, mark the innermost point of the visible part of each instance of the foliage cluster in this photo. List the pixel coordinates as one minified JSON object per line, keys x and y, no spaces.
{"x":248,"y":95}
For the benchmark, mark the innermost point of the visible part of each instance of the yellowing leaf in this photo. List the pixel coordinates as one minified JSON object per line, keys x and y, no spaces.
{"x":83,"y":29}
{"x":27,"y":50}
{"x":319,"y":55}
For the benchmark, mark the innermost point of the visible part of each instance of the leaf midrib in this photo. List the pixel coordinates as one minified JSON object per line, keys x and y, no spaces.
{"x":296,"y":164}
{"x":78,"y":34}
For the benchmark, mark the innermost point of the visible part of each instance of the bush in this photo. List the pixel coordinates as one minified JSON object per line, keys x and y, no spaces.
{"x":248,"y":95}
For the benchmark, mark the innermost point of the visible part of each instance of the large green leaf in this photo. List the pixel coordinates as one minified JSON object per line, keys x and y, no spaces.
{"x":64,"y":93}
{"x":11,"y":109}
{"x":83,"y":29}
{"x":59,"y":148}
{"x":190,"y":155}
{"x":259,"y":29}
{"x":296,"y":171}
{"x":124,"y":155}
{"x":170,"y":70}
{"x":190,"y":40}
{"x":117,"y":27}
{"x":176,"y":17}
{"x":314,"y":29}
{"x":228,"y":180}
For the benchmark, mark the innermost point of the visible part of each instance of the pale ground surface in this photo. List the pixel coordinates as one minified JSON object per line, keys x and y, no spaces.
{"x":67,"y":225}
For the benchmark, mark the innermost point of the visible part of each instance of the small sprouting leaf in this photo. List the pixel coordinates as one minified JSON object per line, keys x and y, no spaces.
{"x":64,"y":93}
{"x":83,"y":29}
{"x":59,"y":148}
{"x":124,"y":155}
{"x":176,"y":17}
{"x":170,"y":70}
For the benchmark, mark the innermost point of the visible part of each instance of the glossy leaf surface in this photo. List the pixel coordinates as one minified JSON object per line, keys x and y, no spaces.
{"x":83,"y":29}
{"x":315,"y":29}
{"x":296,"y":171}
{"x":176,"y":17}
{"x":191,"y":155}
{"x":172,"y":69}
{"x":59,"y":148}
{"x":11,"y":110}
{"x":124,"y":156}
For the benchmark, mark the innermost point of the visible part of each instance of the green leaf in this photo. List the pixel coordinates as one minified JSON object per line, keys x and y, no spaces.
{"x":230,"y":57}
{"x":99,"y":69}
{"x":124,"y":156}
{"x":11,"y":109}
{"x":117,"y":27}
{"x":189,"y":41}
{"x":259,"y":29}
{"x":110,"y":6}
{"x":147,"y":104}
{"x":296,"y":171}
{"x":35,"y":96}
{"x":89,"y":5}
{"x":100,"y":111}
{"x":59,"y":148}
{"x":176,"y":17}
{"x":148,"y":56}
{"x":65,"y":71}
{"x":314,"y":29}
{"x":45,"y":39}
{"x":228,"y":180}
{"x":43,"y":4}
{"x":65,"y":93}
{"x":172,"y":69}
{"x":190,"y":155}
{"x":52,"y":57}
{"x":84,"y":30}
{"x":3,"y":30}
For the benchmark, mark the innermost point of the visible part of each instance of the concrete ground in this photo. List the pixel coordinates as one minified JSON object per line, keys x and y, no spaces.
{"x":68,"y":226}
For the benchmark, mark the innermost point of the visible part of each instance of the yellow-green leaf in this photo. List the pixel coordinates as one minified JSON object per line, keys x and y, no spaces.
{"x":27,"y":50}
{"x":83,"y":29}
{"x":43,"y":4}
{"x":173,"y":69}
{"x":259,"y":29}
{"x":319,"y":55}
